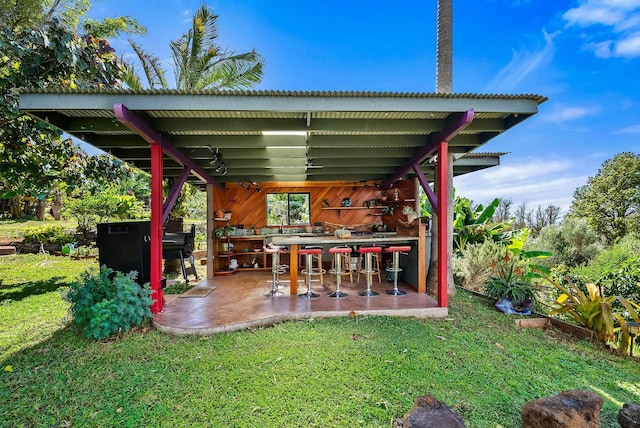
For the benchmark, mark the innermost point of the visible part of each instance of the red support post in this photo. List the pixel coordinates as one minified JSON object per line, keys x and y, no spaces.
{"x":442,"y":186}
{"x":156,"y":229}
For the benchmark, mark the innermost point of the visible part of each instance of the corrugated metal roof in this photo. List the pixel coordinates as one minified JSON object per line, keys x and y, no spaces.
{"x":354,"y":128}
{"x":304,"y":94}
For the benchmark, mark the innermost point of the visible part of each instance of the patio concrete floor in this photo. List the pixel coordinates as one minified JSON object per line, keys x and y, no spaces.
{"x":237,"y":302}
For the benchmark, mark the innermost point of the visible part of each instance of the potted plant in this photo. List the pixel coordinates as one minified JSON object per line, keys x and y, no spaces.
{"x":411,"y":213}
{"x":225,"y":231}
{"x":512,"y":289}
{"x":256,"y":229}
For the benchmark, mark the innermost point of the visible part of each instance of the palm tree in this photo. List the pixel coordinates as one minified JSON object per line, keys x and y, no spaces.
{"x":198,"y":61}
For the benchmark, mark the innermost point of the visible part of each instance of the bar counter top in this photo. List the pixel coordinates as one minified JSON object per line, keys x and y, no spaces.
{"x":331,"y":239}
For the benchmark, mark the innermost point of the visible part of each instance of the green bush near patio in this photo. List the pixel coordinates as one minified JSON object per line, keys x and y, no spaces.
{"x":340,"y":372}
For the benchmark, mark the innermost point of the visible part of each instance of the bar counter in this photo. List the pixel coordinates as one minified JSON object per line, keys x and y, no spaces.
{"x":415,"y":276}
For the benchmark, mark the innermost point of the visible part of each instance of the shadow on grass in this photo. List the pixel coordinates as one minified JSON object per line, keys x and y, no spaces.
{"x":17,"y":292}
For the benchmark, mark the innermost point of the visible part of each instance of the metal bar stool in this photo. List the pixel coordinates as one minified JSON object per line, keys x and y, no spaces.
{"x":339,"y":255}
{"x":346,"y":268}
{"x":309,"y":253}
{"x":309,"y":266}
{"x":375,"y":264}
{"x":395,"y":267}
{"x":369,"y":270}
{"x":276,"y":270}
{"x":282,"y":249}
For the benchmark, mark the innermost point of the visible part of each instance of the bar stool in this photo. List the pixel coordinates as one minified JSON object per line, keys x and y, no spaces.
{"x":346,"y":262}
{"x":339,"y":255}
{"x":276,"y":270}
{"x":309,"y":266}
{"x":395,"y":267}
{"x":369,"y":270}
{"x":309,"y":253}
{"x":282,"y":250}
{"x":375,"y":263}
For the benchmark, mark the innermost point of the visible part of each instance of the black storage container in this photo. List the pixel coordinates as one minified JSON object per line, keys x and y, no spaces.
{"x":126,"y":246}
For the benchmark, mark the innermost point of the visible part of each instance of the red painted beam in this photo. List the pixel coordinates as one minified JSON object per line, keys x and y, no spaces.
{"x":156,"y":229}
{"x":144,"y":130}
{"x":433,"y":199}
{"x":442,"y":186}
{"x":457,"y":124}
{"x":174,"y":193}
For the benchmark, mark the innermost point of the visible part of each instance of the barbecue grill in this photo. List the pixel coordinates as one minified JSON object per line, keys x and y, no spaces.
{"x":179,"y":246}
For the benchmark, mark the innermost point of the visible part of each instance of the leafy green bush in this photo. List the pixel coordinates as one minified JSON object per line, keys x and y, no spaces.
{"x":616,"y":269}
{"x":109,"y":302}
{"x":90,"y":210}
{"x":572,"y":243}
{"x":50,"y":234}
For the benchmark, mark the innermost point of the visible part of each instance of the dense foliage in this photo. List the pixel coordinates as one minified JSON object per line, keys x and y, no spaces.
{"x":611,"y":199}
{"x":48,"y":234}
{"x":571,"y":243}
{"x":41,"y":49}
{"x":109,"y":302}
{"x":472,"y":225}
{"x":616,"y":269}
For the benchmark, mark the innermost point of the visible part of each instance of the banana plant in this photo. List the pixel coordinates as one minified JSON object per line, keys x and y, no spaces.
{"x":474,"y":225}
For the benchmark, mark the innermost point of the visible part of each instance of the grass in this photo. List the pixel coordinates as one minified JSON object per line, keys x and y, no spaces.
{"x":339,"y":372}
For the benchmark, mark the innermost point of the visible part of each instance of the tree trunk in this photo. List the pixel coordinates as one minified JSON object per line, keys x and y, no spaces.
{"x":41,"y":205}
{"x":14,"y":206}
{"x":56,"y":209}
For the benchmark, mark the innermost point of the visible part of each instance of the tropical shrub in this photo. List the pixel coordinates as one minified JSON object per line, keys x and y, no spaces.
{"x":108,"y":302}
{"x":516,"y":272}
{"x":572,"y":243}
{"x":512,"y":281}
{"x":50,"y":234}
{"x":616,"y":269}
{"x":475,"y":264}
{"x":595,"y":311}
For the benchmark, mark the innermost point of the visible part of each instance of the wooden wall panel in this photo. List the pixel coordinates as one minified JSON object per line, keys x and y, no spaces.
{"x":249,"y":206}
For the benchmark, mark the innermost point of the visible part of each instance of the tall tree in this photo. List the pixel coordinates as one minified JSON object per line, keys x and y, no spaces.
{"x":611,"y":199}
{"x":41,"y":49}
{"x":199,"y":62}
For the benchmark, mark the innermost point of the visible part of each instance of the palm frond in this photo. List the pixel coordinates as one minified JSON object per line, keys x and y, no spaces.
{"x":236,"y":72}
{"x":130,"y":77}
{"x":151,"y":66}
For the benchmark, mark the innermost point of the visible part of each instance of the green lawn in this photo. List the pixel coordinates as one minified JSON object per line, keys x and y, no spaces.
{"x":339,"y":372}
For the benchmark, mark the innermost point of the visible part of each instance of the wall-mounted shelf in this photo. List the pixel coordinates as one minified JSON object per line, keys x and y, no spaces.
{"x":339,"y":209}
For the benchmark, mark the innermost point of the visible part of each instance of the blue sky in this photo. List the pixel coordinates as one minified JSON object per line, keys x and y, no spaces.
{"x":582,"y":54}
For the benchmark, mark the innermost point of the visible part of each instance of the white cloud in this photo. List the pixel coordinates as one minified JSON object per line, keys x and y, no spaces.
{"x":585,"y":16}
{"x":633,"y":129}
{"x":538,"y":182}
{"x":522,"y":65}
{"x":629,"y":46}
{"x":620,"y":17}
{"x":563,"y":113}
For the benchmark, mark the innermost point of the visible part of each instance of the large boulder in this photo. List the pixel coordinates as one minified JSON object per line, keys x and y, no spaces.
{"x":569,"y":409}
{"x":629,"y":416}
{"x":428,"y":412}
